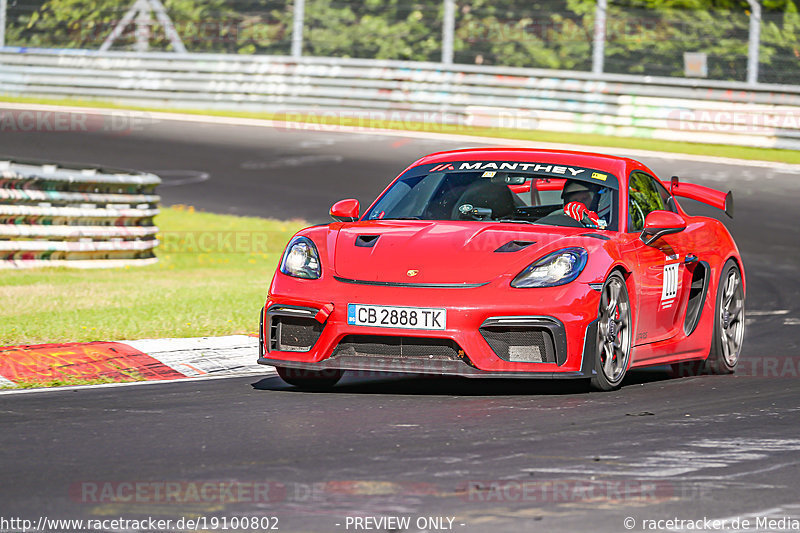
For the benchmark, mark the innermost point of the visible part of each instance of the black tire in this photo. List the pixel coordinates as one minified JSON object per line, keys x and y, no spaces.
{"x":614,"y":335}
{"x":729,"y":322}
{"x":314,"y":380}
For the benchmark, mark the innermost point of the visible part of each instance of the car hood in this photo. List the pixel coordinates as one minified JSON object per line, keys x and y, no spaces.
{"x":440,"y":251}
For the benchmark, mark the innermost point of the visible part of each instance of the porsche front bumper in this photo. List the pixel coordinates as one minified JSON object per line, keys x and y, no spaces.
{"x":492,"y":330}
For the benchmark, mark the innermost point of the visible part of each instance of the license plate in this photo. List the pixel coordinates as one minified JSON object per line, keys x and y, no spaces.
{"x":384,"y":316}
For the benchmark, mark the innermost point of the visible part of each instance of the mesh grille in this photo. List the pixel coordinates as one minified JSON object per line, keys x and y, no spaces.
{"x":294,"y":334}
{"x":409,"y":347}
{"x":520,"y":344}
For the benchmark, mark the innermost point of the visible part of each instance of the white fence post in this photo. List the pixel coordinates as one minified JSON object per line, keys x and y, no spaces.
{"x":143,"y":21}
{"x":3,"y":7}
{"x":448,"y":31}
{"x":754,"y":42}
{"x":598,"y":50}
{"x":297,"y":28}
{"x":142,"y":10}
{"x":169,"y":28}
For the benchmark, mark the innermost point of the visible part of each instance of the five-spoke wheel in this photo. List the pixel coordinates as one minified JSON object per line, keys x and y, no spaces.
{"x":613,"y":334}
{"x":729,"y":322}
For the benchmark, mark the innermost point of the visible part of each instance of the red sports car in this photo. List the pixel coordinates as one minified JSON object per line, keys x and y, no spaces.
{"x":510,"y":263}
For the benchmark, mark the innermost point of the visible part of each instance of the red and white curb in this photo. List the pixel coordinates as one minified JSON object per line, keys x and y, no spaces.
{"x":147,"y":360}
{"x":201,"y":356}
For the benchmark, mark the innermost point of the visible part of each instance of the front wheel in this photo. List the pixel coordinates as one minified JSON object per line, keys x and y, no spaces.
{"x":726,"y":344}
{"x":613,"y":346}
{"x":316,"y":380}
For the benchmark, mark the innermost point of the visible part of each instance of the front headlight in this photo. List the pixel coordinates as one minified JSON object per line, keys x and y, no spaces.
{"x":301,"y":259}
{"x":557,"y":268}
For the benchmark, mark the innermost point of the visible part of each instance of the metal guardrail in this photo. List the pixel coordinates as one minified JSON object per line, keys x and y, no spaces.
{"x":75,"y":216}
{"x":659,"y":108}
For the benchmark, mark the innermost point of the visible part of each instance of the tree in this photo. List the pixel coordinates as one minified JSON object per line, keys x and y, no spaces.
{"x":380,"y":29}
{"x":520,"y":33}
{"x":203,"y":26}
{"x":646,"y":37}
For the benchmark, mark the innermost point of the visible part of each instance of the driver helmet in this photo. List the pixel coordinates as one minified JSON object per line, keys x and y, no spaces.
{"x":578,"y":191}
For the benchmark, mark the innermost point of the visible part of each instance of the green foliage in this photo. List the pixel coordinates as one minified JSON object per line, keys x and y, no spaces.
{"x":780,"y":50}
{"x":390,"y":29}
{"x":523,"y":34}
{"x":648,"y":41}
{"x":643,"y":36}
{"x":86,"y":23}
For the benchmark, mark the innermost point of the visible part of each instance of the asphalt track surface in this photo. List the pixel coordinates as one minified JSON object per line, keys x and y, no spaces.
{"x":493,"y":455}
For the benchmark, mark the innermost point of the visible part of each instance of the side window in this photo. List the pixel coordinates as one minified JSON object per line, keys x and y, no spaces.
{"x":666,"y":197}
{"x":643,"y":197}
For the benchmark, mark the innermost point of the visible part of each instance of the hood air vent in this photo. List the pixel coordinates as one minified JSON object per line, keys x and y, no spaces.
{"x":596,"y":236}
{"x":514,"y":246}
{"x":366,"y":241}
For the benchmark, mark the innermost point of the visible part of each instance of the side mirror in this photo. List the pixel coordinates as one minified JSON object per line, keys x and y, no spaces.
{"x":345,"y":210}
{"x":660,"y":223}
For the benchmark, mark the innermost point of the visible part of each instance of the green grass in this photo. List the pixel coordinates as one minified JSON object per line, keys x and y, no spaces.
{"x":69,"y":381}
{"x":739,"y":152}
{"x":211,"y":279}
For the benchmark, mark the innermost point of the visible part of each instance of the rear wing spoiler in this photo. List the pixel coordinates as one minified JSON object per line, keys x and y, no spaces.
{"x":540,"y":184}
{"x":712,"y":197}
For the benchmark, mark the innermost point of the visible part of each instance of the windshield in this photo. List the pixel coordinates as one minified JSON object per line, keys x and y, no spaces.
{"x":495,"y":195}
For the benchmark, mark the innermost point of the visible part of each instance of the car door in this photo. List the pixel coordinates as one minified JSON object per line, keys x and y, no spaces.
{"x":662,"y":275}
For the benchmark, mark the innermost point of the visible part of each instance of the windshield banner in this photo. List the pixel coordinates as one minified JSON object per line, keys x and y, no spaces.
{"x":543,"y":169}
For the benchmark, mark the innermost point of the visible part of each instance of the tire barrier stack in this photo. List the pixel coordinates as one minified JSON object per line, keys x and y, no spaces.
{"x":680,"y":109}
{"x":75,"y":216}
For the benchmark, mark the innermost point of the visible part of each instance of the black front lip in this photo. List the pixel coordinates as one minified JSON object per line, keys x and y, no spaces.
{"x":409,"y":365}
